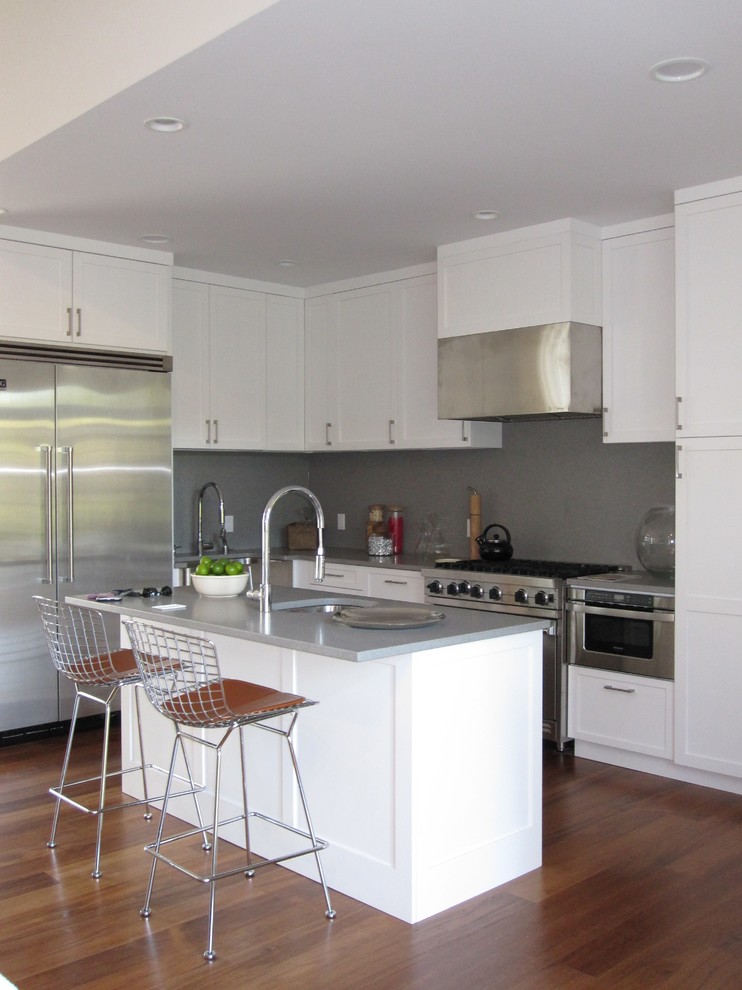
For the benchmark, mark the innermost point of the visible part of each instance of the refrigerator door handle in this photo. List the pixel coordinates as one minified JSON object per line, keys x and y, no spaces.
{"x":69,"y":451}
{"x":48,"y":573}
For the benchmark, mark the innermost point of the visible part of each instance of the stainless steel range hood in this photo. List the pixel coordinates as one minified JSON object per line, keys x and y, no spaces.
{"x":552,"y":371}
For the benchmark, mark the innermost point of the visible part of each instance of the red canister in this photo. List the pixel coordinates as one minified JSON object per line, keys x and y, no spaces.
{"x":395,"y":528}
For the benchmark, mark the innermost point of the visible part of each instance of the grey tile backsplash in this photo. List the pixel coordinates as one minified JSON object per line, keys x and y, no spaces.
{"x":561,"y":492}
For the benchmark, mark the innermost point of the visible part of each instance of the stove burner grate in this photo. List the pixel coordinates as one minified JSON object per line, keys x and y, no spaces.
{"x":528,"y":568}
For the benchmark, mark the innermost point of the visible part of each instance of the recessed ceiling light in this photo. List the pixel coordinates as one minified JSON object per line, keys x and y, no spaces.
{"x":156,"y":238}
{"x":288,"y":264}
{"x":679,"y":69}
{"x":3,"y":211}
{"x":166,"y":124}
{"x":486,"y":215}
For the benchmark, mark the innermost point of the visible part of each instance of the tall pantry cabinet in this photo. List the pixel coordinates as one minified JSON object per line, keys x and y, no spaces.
{"x":709,"y":477}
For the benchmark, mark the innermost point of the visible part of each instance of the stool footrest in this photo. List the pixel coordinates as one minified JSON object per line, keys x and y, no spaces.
{"x":317,"y":845}
{"x":62,"y":795}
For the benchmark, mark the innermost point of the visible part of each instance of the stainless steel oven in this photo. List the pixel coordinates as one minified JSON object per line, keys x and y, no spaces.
{"x":623,"y":622}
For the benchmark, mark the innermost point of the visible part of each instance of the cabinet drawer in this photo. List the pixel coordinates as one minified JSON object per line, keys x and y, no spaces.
{"x":401,"y":586}
{"x":338,"y":577}
{"x":632,"y":713}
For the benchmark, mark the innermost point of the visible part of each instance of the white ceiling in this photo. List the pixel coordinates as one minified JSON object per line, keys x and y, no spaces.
{"x":353,"y":136}
{"x":48,"y":48}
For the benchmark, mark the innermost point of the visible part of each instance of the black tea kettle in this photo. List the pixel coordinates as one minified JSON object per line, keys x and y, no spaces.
{"x":495,"y":548}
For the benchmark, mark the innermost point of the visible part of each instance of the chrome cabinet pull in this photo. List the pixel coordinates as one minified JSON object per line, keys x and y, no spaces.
{"x":328,"y":442}
{"x":208,"y":431}
{"x":678,"y":472}
{"x":464,"y":436}
{"x":216,"y":431}
{"x":392,"y":581}
{"x":391,"y":431}
{"x":79,"y":322}
{"x":48,"y":573}
{"x":678,"y":424}
{"x":69,"y":321}
{"x":612,"y":687}
{"x":605,"y":428}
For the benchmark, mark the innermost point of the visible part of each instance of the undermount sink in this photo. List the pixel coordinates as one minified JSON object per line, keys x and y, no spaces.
{"x":327,"y":604}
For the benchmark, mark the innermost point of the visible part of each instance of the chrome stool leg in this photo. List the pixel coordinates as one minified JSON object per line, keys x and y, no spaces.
{"x":330,"y":912}
{"x":103,"y":780}
{"x":52,"y":843}
{"x":181,"y":676}
{"x":78,"y":646}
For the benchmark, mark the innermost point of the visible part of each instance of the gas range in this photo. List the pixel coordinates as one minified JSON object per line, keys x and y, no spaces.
{"x":525,"y":587}
{"x":537,"y":586}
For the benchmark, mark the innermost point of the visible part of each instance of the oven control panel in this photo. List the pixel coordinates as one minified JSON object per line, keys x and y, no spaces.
{"x":621,"y":598}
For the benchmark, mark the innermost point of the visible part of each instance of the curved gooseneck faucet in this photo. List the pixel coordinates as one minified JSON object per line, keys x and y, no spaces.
{"x":222,"y":527}
{"x":264,"y":593}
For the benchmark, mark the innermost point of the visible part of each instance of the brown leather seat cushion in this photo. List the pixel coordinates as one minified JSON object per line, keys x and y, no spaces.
{"x":228,"y":700}
{"x":98,"y":670}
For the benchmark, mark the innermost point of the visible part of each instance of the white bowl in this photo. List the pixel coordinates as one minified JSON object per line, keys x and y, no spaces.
{"x":220,"y":585}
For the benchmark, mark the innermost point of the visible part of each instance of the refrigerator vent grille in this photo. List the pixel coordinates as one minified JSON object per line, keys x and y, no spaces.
{"x":80,"y":356}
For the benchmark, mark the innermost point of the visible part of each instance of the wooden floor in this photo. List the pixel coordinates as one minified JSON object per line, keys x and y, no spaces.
{"x":641,"y":888}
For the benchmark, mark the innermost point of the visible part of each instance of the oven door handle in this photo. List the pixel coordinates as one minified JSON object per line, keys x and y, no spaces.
{"x":620,"y":613}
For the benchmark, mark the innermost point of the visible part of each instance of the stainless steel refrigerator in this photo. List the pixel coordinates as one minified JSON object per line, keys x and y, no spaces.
{"x":85,"y":506}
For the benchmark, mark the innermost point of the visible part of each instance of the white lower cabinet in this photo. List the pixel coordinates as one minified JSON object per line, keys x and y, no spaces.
{"x":708,"y":605}
{"x":359,"y":579}
{"x":400,"y":586}
{"x":350,"y":578}
{"x":621,"y":711}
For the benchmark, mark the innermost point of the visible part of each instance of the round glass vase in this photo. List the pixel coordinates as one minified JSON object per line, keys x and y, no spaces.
{"x":655,"y":541}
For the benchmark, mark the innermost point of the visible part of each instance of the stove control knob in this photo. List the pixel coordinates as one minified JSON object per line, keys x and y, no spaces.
{"x":435,"y":587}
{"x":452,"y":589}
{"x":542,"y":598}
{"x":477,"y":591}
{"x":495,"y":594}
{"x":464,"y":587}
{"x":521,"y":596}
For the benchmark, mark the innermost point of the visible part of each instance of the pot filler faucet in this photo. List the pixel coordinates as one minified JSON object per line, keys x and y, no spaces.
{"x":222,"y":528}
{"x":263,"y":595}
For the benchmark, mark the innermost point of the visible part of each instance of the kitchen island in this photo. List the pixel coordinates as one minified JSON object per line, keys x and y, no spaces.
{"x":422,"y":760}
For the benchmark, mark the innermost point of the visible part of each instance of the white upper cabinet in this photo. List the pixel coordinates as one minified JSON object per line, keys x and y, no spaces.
{"x":285,"y":373}
{"x":190,"y":378}
{"x":549,"y":273}
{"x":639,"y":332}
{"x":709,"y":310}
{"x":371,"y":371}
{"x":77,"y":298}
{"x":237,"y":369}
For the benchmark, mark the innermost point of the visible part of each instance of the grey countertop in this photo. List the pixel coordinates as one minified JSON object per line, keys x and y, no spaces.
{"x":311,"y":631}
{"x":335,"y":555}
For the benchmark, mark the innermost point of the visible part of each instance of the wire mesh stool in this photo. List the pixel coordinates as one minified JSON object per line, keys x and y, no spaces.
{"x":78,"y":644}
{"x":182,"y":678}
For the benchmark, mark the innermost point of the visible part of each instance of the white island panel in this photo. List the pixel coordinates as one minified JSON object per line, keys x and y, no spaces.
{"x":423,"y":771}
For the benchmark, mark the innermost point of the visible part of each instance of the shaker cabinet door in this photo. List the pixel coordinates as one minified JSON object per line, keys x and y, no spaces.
{"x":35,"y":292}
{"x":639,"y":337}
{"x":709,"y":316}
{"x":708,"y":623}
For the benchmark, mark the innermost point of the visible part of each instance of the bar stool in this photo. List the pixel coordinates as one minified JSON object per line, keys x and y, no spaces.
{"x":78,"y":644}
{"x":182,"y":678}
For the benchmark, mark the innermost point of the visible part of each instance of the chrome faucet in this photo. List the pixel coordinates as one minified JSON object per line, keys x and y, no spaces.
{"x":222,"y":527}
{"x":263,"y":595}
